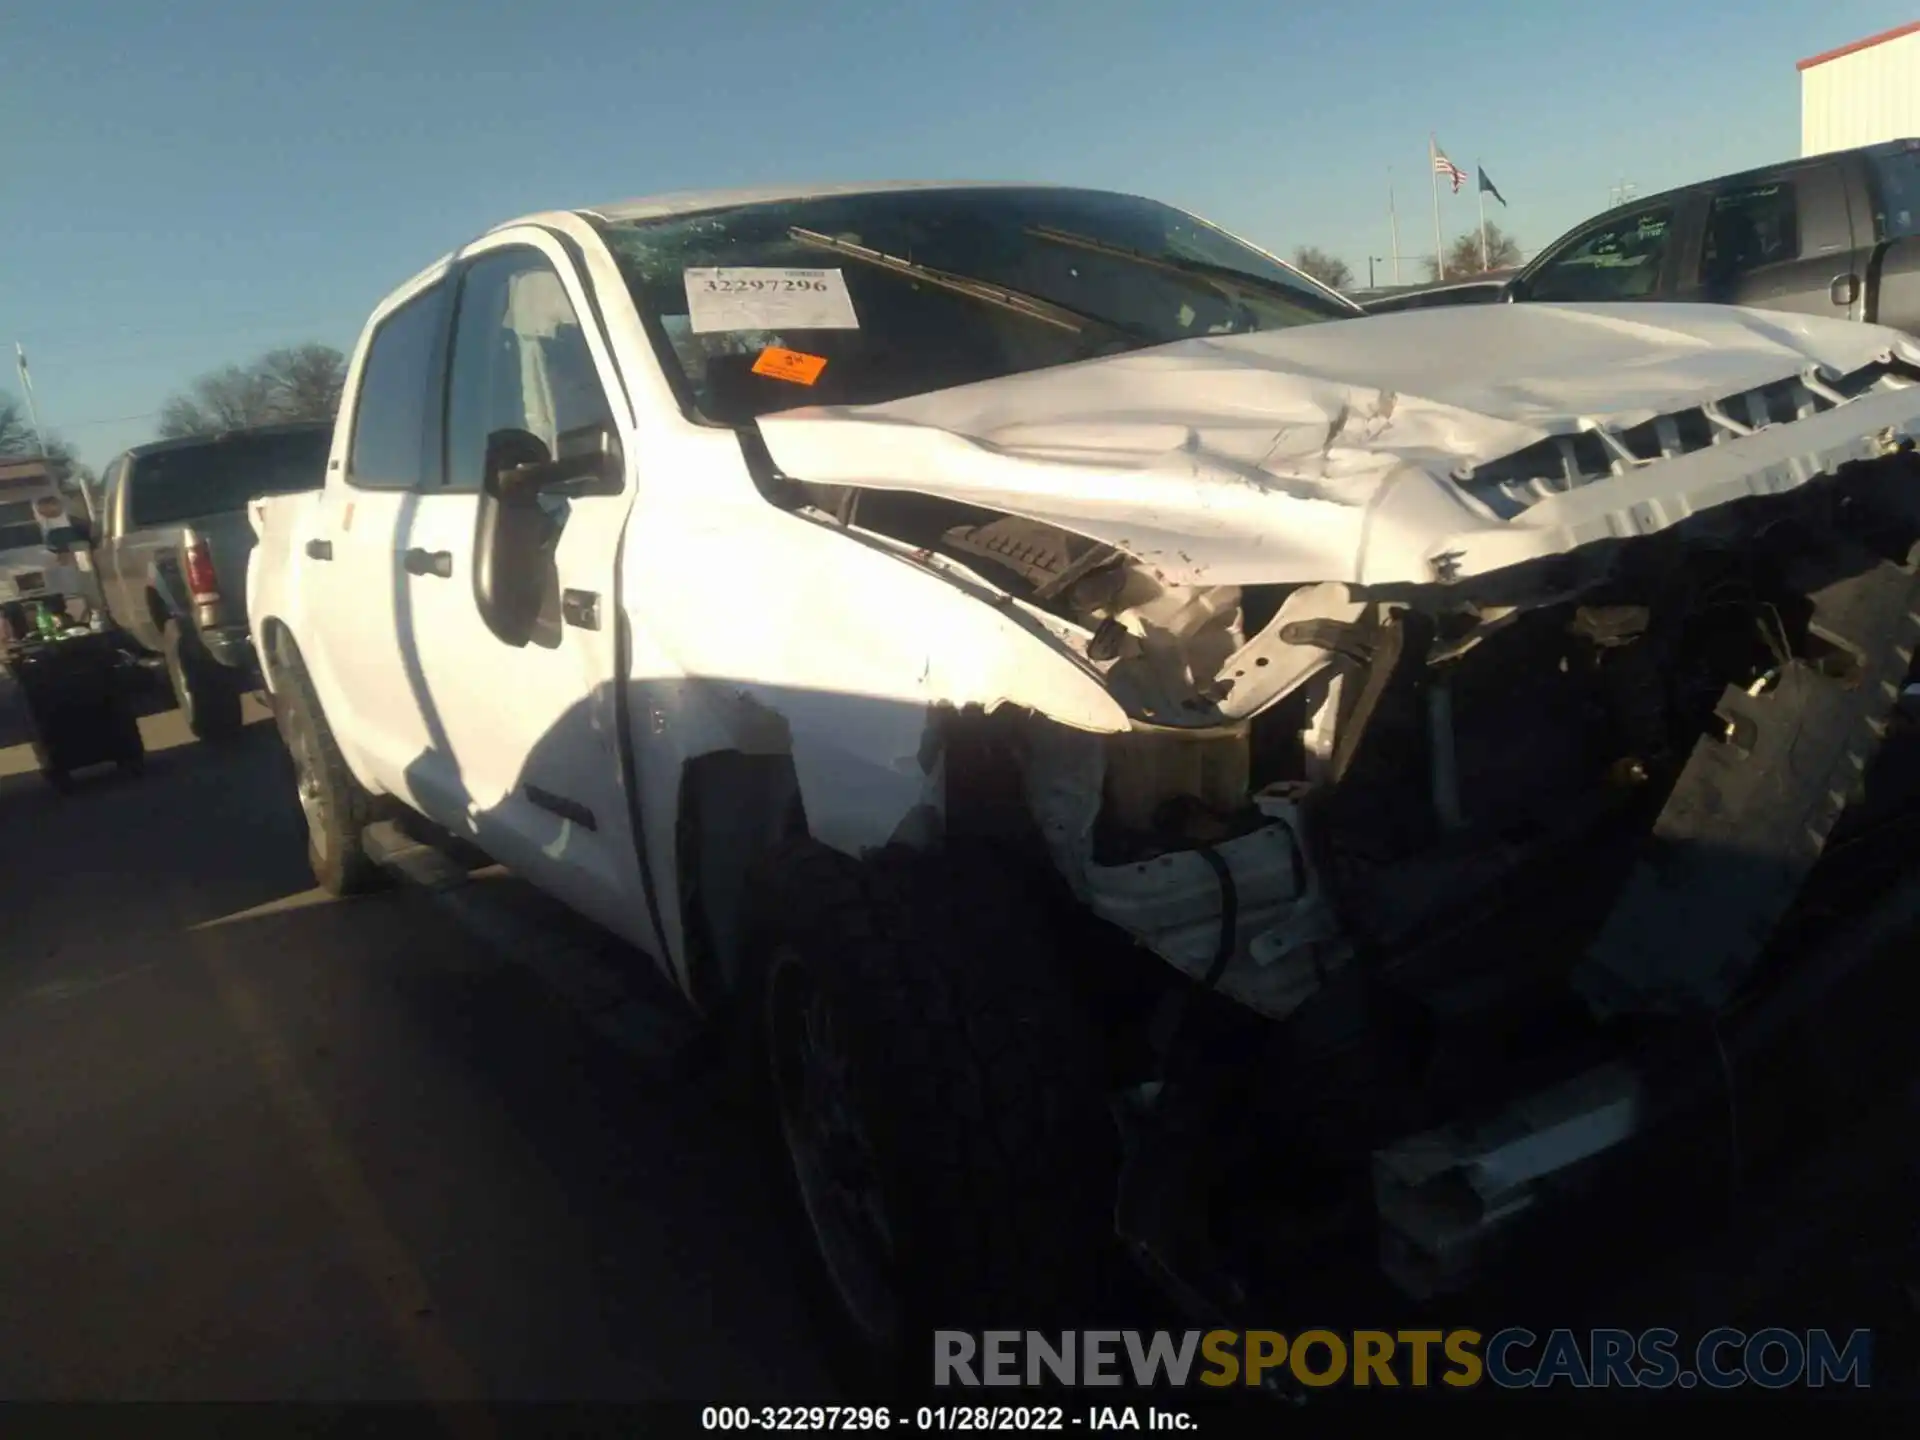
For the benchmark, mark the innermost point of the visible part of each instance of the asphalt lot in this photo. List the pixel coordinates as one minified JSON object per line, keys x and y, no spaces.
{"x":256,"y":1144}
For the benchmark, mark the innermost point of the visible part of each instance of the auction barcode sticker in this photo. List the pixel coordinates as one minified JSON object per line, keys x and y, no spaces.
{"x":745,"y":297}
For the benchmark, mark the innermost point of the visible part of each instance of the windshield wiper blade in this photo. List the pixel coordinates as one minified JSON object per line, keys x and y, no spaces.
{"x":1214,"y":276}
{"x":1050,"y":312}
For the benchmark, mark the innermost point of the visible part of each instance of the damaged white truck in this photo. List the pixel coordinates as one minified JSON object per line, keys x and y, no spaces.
{"x":1148,"y":750}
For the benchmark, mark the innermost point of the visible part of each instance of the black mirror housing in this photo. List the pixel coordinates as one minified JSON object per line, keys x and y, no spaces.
{"x":520,"y":467}
{"x":514,"y":534}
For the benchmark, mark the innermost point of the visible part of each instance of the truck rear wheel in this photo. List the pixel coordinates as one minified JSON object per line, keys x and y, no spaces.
{"x":336,"y":807}
{"x":929,"y":1099}
{"x":208,"y":696}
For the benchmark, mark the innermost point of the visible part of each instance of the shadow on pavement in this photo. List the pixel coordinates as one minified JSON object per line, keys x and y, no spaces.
{"x":256,"y":1144}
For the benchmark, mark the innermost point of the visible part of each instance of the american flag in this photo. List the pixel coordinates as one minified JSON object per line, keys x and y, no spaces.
{"x":1444,"y":166}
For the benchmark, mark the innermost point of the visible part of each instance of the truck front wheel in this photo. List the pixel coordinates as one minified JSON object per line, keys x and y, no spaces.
{"x":206,"y":692}
{"x":930,"y":1099}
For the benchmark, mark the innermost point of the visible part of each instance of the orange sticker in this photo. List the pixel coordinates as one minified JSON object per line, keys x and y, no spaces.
{"x":794,"y":365}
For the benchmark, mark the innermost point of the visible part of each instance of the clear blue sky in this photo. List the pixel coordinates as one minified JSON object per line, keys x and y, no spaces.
{"x":190,"y":182}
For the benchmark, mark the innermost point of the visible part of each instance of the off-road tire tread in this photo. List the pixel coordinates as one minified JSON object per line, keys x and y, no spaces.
{"x":979,"y":1077}
{"x":217,"y":715}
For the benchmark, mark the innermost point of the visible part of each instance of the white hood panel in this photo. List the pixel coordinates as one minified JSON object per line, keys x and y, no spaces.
{"x":1323,"y":452}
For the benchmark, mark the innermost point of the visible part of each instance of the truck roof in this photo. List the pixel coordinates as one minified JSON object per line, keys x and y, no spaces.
{"x":1640,"y":202}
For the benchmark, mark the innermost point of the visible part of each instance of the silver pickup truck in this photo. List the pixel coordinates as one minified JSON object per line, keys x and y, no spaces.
{"x":171,"y":552}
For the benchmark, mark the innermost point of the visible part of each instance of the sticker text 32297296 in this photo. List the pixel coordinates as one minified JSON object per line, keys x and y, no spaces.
{"x":755,"y":297}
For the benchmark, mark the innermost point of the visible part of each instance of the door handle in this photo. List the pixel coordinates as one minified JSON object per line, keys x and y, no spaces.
{"x":430,"y":562}
{"x":581,"y":608}
{"x":1845,"y":289}
{"x":319,"y":549}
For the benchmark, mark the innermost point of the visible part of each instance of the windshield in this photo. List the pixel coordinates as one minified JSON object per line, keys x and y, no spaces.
{"x":857,"y":299}
{"x":175,"y":485}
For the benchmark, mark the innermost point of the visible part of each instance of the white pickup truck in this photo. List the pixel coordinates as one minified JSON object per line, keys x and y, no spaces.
{"x":1148,"y":748}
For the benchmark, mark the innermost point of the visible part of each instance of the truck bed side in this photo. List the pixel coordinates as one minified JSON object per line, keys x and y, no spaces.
{"x":279,"y":524}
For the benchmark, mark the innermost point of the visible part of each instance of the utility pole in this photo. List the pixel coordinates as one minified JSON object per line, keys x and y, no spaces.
{"x":33,"y":410}
{"x":1439,"y":245}
{"x":1393,"y":220}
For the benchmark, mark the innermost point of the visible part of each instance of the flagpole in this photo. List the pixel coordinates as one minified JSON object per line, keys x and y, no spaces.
{"x":26,"y":386}
{"x":1439,"y":245}
{"x":1480,"y":194}
{"x":1393,"y":222}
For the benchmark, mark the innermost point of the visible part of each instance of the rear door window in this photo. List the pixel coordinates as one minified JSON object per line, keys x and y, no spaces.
{"x":1617,"y":260}
{"x":1748,"y":227}
{"x":1896,"y":193}
{"x":390,"y":412}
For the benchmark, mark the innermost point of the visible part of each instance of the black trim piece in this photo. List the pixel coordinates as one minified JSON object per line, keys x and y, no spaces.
{"x":623,"y":751}
{"x":559,"y":805}
{"x":1229,"y":915}
{"x":579,"y":259}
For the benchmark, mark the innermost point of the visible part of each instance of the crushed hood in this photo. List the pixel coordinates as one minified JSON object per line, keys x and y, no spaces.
{"x":1334,"y":451}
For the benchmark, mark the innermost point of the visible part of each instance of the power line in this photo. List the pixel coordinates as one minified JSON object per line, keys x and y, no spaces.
{"x":113,"y":420}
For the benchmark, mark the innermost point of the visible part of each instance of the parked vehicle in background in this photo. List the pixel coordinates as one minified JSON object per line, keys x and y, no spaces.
{"x":172,"y":549}
{"x":44,"y":559}
{"x":1832,"y":235}
{"x":1152,"y":758}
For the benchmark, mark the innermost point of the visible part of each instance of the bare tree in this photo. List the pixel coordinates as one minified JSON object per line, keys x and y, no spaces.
{"x":307,"y":380}
{"x":302,"y":382}
{"x":16,"y":432}
{"x":17,"y":439}
{"x":230,"y":399}
{"x":1464,"y":259}
{"x":1330,"y":270}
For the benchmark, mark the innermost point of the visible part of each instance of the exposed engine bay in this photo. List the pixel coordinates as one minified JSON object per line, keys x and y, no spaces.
{"x":1449,"y":836}
{"x":1477,"y":748}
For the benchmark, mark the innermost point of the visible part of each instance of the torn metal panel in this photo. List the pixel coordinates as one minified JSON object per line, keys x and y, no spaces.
{"x":1351,"y":452}
{"x":1751,"y":812}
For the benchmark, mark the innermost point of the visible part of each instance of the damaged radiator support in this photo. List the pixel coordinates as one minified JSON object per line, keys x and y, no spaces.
{"x":1750,"y":815}
{"x":1747,"y":819}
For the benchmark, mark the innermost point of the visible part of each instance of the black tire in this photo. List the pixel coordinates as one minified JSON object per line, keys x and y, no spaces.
{"x":336,"y":807}
{"x":207,"y":694}
{"x":992,"y":1153}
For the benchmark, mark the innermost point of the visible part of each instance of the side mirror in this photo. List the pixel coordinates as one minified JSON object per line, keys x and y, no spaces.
{"x":514,"y":534}
{"x":519,"y":466}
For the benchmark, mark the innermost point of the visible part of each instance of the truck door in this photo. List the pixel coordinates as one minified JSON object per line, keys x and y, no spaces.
{"x":530,"y":769}
{"x":369,"y":682}
{"x":1781,"y":241}
{"x":1887,"y":257}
